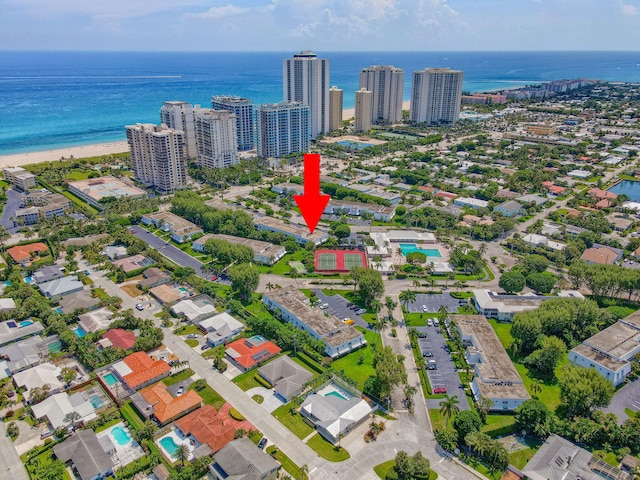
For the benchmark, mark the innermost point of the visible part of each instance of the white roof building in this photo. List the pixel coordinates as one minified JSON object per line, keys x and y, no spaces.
{"x":7,"y":304}
{"x":59,"y":405}
{"x":503,"y":307}
{"x":194,"y":309}
{"x":46,"y":373}
{"x":384,"y":240}
{"x":221,"y":328}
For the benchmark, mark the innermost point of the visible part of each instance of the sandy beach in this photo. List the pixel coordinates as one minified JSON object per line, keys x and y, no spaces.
{"x":21,"y":159}
{"x":348,"y":113}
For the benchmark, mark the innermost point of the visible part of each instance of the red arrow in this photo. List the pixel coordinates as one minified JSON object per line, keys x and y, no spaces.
{"x":312,"y":203}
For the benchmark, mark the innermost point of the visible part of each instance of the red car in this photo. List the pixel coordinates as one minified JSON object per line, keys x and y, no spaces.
{"x":440,"y":390}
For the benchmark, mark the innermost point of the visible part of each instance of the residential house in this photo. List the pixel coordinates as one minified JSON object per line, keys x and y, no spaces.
{"x":22,"y":354}
{"x":115,"y":252}
{"x":7,"y":304}
{"x":56,"y":407}
{"x":154,"y":277}
{"x":195,"y":308}
{"x":286,"y":376}
{"x":475,"y":203}
{"x":96,"y":320}
{"x":601,"y":254}
{"x":180,"y":229}
{"x":24,"y":253}
{"x":12,"y":330}
{"x":536,"y":240}
{"x":510,"y":209}
{"x":248,"y":353}
{"x":47,"y":273}
{"x":139,"y":370}
{"x":134,"y":262}
{"x":43,"y":374}
{"x":241,"y":459}
{"x":119,"y":338}
{"x":82,"y":300}
{"x":166,"y":294}
{"x":165,"y":404}
{"x":89,"y":456}
{"x":266,"y":253}
{"x":600,"y":194}
{"x":61,"y":286}
{"x":537,"y":199}
{"x":220,"y":328}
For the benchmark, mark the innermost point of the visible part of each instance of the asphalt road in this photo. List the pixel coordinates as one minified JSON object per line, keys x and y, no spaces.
{"x":627,"y":397}
{"x":338,"y":307}
{"x":446,"y":375}
{"x":10,"y":463}
{"x":433,"y":303}
{"x":14,"y":200}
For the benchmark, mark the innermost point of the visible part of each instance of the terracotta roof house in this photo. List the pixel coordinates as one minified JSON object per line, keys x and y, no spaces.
{"x":166,"y":406}
{"x":247,"y":353}
{"x":23,"y":253}
{"x":139,"y":370}
{"x":216,"y":429}
{"x":120,"y":338}
{"x":446,"y":195}
{"x":602,"y":255}
{"x":604,"y":203}
{"x":601,"y":194}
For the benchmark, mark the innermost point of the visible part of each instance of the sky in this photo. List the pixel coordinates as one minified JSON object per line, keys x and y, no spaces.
{"x":329,"y":25}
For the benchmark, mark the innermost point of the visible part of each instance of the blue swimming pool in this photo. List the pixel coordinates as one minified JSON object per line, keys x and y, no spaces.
{"x":96,"y":402}
{"x":120,"y":435}
{"x":352,"y":144}
{"x":407,"y":248}
{"x":26,"y":323}
{"x":111,"y":379}
{"x":335,"y":394}
{"x":169,"y":445}
{"x":79,"y":331}
{"x":27,"y":279}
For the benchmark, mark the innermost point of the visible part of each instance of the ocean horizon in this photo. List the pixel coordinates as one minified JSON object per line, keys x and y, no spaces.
{"x":63,"y":99}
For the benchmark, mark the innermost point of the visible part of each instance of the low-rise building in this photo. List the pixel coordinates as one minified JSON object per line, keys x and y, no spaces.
{"x":195,"y":308}
{"x":115,"y":252}
{"x":180,"y":229}
{"x":47,"y":204}
{"x":221,"y":328}
{"x":26,"y":216}
{"x":294,"y":307}
{"x":82,"y":300}
{"x":134,"y":262}
{"x":601,"y":255}
{"x":266,"y":253}
{"x":536,"y":240}
{"x":241,"y":459}
{"x":61,"y":286}
{"x":286,"y":376}
{"x":23,"y":354}
{"x":13,"y":330}
{"x":96,"y":320}
{"x":43,"y":374}
{"x":25,"y":253}
{"x":89,"y":456}
{"x":611,"y":350}
{"x":300,"y":233}
{"x":154,"y":277}
{"x":20,"y":178}
{"x":47,"y":273}
{"x":532,"y":198}
{"x":495,"y":377}
{"x":379,"y":212}
{"x":248,"y":353}
{"x":165,"y":404}
{"x":475,"y":203}
{"x":95,"y":190}
{"x":56,"y":407}
{"x":118,"y":338}
{"x":509,"y":209}
{"x":503,"y":307}
{"x":139,"y":370}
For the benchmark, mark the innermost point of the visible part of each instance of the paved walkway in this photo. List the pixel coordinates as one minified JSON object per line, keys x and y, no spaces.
{"x":271,"y":402}
{"x":10,"y":464}
{"x":28,"y":437}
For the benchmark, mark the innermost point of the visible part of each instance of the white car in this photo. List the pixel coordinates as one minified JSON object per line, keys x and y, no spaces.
{"x":436,"y":322}
{"x":429,"y":322}
{"x":139,"y":307}
{"x":424,"y":308}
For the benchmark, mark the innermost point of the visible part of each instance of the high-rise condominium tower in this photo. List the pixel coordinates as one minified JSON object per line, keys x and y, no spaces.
{"x":179,"y":116}
{"x":217,"y":138}
{"x":436,"y":95}
{"x":386,"y":83}
{"x":158,"y":155}
{"x":243,"y":108}
{"x":363,"y":110}
{"x":335,"y":108}
{"x":283,"y":129}
{"x":305,"y":78}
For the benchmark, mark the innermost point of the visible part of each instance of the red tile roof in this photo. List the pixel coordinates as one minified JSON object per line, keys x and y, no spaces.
{"x":216,"y":429}
{"x":248,"y":352}
{"x":446,"y":195}
{"x":601,"y":255}
{"x":120,"y":338}
{"x":143,"y":369}
{"x":22,"y":253}
{"x":166,"y":407}
{"x":600,"y":194}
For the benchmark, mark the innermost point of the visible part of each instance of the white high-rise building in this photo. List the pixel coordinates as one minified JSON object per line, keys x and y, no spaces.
{"x":364,"y":100}
{"x":386,"y":84}
{"x":305,"y":78}
{"x":217,"y":138}
{"x":243,"y":108}
{"x":283,"y":129}
{"x":335,"y":108}
{"x":179,"y":116}
{"x":158,"y":156}
{"x":435,"y":96}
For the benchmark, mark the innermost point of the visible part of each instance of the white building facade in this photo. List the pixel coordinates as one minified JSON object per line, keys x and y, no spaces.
{"x":386,"y":83}
{"x":180,"y":116}
{"x":217,"y":138}
{"x":436,"y":94}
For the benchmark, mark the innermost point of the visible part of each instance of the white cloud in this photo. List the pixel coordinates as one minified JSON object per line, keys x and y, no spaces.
{"x":629,"y":10}
{"x":228,"y":10}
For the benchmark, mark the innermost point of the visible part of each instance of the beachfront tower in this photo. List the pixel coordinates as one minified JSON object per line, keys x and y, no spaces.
{"x":435,"y":96}
{"x":335,"y":108}
{"x":158,"y":155}
{"x":305,"y":78}
{"x":283,"y":128}
{"x":363,"y":110}
{"x":243,"y":109}
{"x":217,"y":140}
{"x":179,"y":116}
{"x":386,"y":84}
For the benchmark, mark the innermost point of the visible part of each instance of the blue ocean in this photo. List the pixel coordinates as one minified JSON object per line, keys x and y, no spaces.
{"x":61,"y":99}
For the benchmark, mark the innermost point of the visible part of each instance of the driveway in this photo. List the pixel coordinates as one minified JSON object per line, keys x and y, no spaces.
{"x":446,"y":375}
{"x":338,"y":307}
{"x":627,"y":397}
{"x":14,"y":200}
{"x":271,"y":402}
{"x":433,"y":303}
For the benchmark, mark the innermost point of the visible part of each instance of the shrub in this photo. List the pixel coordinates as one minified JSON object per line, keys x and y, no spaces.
{"x":236,"y":415}
{"x":262,"y":381}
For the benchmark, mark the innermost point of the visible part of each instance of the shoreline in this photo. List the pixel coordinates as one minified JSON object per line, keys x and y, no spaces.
{"x":84,"y":151}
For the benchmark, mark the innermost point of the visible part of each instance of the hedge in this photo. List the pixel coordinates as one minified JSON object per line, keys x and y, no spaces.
{"x":140,"y":465}
{"x":236,"y":415}
{"x":309,"y":362}
{"x":262,"y":381}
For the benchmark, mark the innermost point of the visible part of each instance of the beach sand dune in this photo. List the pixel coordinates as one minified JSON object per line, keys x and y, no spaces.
{"x":21,"y":159}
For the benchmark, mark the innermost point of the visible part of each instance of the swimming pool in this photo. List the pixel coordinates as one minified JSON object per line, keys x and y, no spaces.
{"x":353,"y":144}
{"x":27,"y":279}
{"x":169,"y":445}
{"x":96,"y":402}
{"x":111,"y":379}
{"x":79,"y":331}
{"x":335,"y":394}
{"x":59,"y":311}
{"x":120,"y":436}
{"x":333,"y":390}
{"x":407,"y":248}
{"x":183,"y":290}
{"x":26,"y":323}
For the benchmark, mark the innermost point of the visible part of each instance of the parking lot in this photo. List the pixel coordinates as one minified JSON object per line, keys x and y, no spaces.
{"x":338,"y":306}
{"x":445,"y":376}
{"x":433,"y":303}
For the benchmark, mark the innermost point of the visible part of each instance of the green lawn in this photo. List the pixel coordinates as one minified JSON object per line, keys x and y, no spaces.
{"x":382,"y":468}
{"x":352,"y":365}
{"x":550,"y":394}
{"x":520,"y":458}
{"x":327,"y":450}
{"x":78,"y":174}
{"x":258,"y":399}
{"x":188,"y":329}
{"x":37,"y":466}
{"x":178,"y":377}
{"x":503,"y":330}
{"x":288,"y":465}
{"x":210,"y":397}
{"x":294,"y":422}
{"x":247,"y":380}
{"x":437,"y":420}
{"x":418,"y":319}
{"x":131,"y":415}
{"x":499,"y":425}
{"x":100,"y":293}
{"x":192,"y":342}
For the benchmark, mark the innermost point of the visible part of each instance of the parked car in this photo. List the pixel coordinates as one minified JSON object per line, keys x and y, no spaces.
{"x":324,"y":305}
{"x":204,"y":347}
{"x":440,"y":390}
{"x":436,"y":322}
{"x":354,"y":307}
{"x":87,"y":272}
{"x":348,"y":321}
{"x":192,"y":335}
{"x":180,"y":391}
{"x":263,"y":441}
{"x":424,"y":308}
{"x":139,"y":306}
{"x":360,"y":311}
{"x":422,"y":335}
{"x":427,"y":354}
{"x":429,"y":322}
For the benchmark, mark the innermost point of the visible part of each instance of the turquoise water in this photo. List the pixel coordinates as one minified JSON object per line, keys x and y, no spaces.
{"x":96,"y":402}
{"x":183,"y":290}
{"x":121,"y":436}
{"x":111,"y":379}
{"x":27,"y":279}
{"x":411,"y":247}
{"x":79,"y":331}
{"x":169,"y":445}
{"x":629,"y":188}
{"x":59,"y":311}
{"x":335,"y":394}
{"x":26,"y":323}
{"x":352,"y":144}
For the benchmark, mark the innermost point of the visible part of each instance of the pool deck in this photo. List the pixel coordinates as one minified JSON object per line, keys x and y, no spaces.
{"x":124,"y":454}
{"x":178,"y":440}
{"x":399,"y":259}
{"x":353,"y":138}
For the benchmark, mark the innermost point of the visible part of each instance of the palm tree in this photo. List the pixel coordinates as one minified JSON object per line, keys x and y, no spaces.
{"x":416,"y":283}
{"x":295,"y":275}
{"x":449,"y":407}
{"x":390,"y":304}
{"x":408,"y":296}
{"x":458,"y":285}
{"x":536,"y":388}
{"x":304,"y":471}
{"x":375,"y":305}
{"x":181,"y":454}
{"x":443,"y":313}
{"x":482,"y":249}
{"x":270,"y":286}
{"x":379,"y":325}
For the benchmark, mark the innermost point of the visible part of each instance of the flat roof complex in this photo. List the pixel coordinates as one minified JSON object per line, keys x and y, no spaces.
{"x":93,"y":190}
{"x":299,"y":232}
{"x":504,"y":307}
{"x":496,"y":376}
{"x":263,"y":252}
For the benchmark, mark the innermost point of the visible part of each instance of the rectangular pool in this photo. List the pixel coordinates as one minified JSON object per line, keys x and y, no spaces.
{"x":111,"y":379}
{"x":407,"y":248}
{"x":79,"y":331}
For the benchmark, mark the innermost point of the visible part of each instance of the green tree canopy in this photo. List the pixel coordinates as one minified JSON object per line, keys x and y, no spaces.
{"x":512,"y":282}
{"x":541,"y":282}
{"x":583,"y":389}
{"x":244,"y":279}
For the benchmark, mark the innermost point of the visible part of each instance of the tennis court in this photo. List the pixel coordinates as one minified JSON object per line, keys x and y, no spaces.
{"x":339,"y":261}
